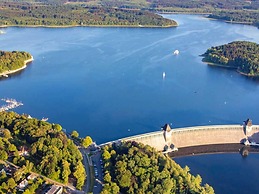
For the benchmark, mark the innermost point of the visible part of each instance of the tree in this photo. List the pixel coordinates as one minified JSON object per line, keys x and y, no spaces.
{"x":65,"y":171}
{"x":28,"y":166}
{"x":87,"y":141}
{"x":57,"y":127}
{"x":124,"y":179}
{"x":12,"y":148}
{"x":11,"y":183}
{"x":75,"y":134}
{"x":27,"y":191}
{"x":3,"y":155}
{"x":79,"y":174}
{"x":107,"y":177}
{"x":6,"y":134}
{"x":106,"y":155}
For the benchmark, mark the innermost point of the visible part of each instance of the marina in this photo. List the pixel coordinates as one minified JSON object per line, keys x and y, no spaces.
{"x":11,"y":104}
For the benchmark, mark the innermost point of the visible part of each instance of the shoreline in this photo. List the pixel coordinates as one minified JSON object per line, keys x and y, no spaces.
{"x":230,"y":67}
{"x":231,"y":22}
{"x":19,"y":69}
{"x":100,"y":26}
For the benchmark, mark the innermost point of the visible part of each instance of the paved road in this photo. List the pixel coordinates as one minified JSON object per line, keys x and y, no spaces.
{"x":98,"y":168}
{"x":86,"y":162}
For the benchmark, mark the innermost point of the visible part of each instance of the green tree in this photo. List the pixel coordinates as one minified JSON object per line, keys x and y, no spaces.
{"x":6,"y":134}
{"x":65,"y":171}
{"x":57,"y":127}
{"x":107,"y":178}
{"x":3,"y":155}
{"x":106,"y":155}
{"x":27,"y":191}
{"x":75,"y":134}
{"x":87,"y":141}
{"x":80,"y":175}
{"x":11,"y":183}
{"x":124,"y":179}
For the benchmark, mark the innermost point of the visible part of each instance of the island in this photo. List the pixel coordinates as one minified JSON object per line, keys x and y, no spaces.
{"x":131,"y":167}
{"x":239,"y":55}
{"x":11,"y":62}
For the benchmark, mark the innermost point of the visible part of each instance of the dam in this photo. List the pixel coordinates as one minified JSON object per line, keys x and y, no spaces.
{"x":168,"y":139}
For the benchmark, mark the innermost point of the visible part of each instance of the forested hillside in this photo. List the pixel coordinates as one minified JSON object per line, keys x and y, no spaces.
{"x":220,"y":4}
{"x":24,"y":14}
{"x":237,"y":16}
{"x":12,"y":60}
{"x":50,"y":152}
{"x":241,"y":55}
{"x":135,"y":168}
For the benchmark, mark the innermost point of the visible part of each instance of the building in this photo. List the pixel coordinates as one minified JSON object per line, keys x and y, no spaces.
{"x":23,"y":184}
{"x":55,"y":189}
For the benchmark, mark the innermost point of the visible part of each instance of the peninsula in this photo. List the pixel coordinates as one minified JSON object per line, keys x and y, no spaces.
{"x":132,"y":167}
{"x":12,"y":62}
{"x":240,"y":55}
{"x":35,"y":154}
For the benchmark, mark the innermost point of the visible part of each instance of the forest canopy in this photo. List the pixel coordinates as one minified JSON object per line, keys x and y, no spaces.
{"x":237,"y":16}
{"x":24,"y":14}
{"x":12,"y":60}
{"x":50,"y":152}
{"x":132,"y":167}
{"x":241,"y":55}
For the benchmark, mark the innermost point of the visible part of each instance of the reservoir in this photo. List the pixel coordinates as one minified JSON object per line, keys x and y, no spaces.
{"x":226,"y":173}
{"x":108,"y":83}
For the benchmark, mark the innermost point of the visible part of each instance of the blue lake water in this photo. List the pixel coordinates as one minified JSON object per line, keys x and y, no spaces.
{"x":226,"y":173}
{"x":107,"y":82}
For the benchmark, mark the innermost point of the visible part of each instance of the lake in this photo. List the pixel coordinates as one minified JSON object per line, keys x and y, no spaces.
{"x":108,"y":83}
{"x":226,"y":173}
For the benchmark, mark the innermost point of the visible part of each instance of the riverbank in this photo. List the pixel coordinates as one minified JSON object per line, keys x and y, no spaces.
{"x":6,"y":73}
{"x":209,"y":149}
{"x":230,"y":67}
{"x":231,"y":22}
{"x":97,"y":26}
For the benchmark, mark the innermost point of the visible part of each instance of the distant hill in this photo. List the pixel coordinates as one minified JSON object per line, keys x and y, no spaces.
{"x":38,"y":14}
{"x":77,"y":13}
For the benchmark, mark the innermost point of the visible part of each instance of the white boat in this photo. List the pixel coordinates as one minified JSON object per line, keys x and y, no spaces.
{"x":176,"y":52}
{"x":163,"y":75}
{"x":5,"y":75}
{"x":44,"y":119}
{"x":2,"y":32}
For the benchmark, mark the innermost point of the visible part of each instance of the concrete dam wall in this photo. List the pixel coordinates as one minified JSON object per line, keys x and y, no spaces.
{"x":195,"y":136}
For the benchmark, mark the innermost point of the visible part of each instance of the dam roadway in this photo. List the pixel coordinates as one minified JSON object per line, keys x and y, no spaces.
{"x":168,"y":138}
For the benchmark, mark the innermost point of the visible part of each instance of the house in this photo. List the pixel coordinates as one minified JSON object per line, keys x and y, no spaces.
{"x":23,"y":184}
{"x":31,"y":177}
{"x":23,"y":151}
